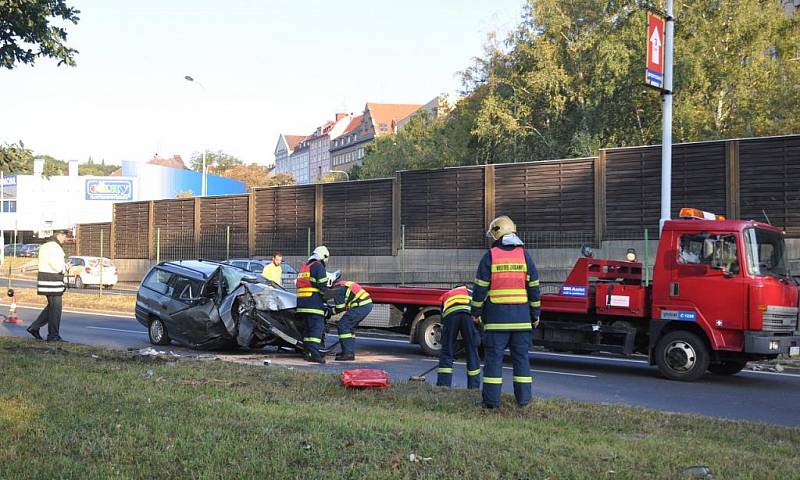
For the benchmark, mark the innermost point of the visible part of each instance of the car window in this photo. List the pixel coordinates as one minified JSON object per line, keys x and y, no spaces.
{"x":186,"y":288}
{"x":256,"y":267}
{"x":159,"y":281}
{"x":240,"y":264}
{"x":76,"y":262}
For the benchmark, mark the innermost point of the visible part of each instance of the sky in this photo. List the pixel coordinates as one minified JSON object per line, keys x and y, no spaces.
{"x":261,"y":67}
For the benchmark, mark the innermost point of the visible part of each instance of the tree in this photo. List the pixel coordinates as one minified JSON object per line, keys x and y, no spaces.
{"x":100,"y":170}
{"x":569,"y":81}
{"x":218,"y":161}
{"x":280,"y":179}
{"x":251,"y":175}
{"x":15,"y":158}
{"x":26,"y":32}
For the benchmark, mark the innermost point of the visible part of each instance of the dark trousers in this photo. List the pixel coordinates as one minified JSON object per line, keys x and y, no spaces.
{"x":348,"y":323}
{"x":51,"y":315}
{"x":453,"y":324}
{"x":495,"y":343}
{"x":314,"y":330}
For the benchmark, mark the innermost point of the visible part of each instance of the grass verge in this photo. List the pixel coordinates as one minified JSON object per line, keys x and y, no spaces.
{"x":67,"y":414}
{"x":78,"y":301}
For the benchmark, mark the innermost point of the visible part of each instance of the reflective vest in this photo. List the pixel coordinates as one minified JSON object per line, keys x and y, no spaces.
{"x":305,"y":287}
{"x":355,"y":296}
{"x":508,"y":283}
{"x":456,"y":300}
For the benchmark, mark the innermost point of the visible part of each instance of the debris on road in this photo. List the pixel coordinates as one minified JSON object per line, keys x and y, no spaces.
{"x":699,"y":472}
{"x":148,"y":374}
{"x":417,"y":458}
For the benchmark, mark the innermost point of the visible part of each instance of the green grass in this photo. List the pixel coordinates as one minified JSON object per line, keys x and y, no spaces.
{"x":64,"y":414}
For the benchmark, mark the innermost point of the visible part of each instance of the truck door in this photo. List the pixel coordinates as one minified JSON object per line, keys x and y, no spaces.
{"x":708,"y":284}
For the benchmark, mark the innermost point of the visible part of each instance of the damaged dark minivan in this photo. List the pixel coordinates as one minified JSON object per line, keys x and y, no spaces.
{"x":209,"y":305}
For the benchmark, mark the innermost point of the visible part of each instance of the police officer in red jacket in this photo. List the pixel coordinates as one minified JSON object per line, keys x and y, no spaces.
{"x":507,"y":299}
{"x":312,"y":282}
{"x":456,"y":319}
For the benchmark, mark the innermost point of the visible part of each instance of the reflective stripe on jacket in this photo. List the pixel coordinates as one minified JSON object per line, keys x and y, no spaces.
{"x":508,"y":283}
{"x":306,"y":284}
{"x":312,"y":282}
{"x":455,"y":300}
{"x":50,"y":279}
{"x":350,"y":295}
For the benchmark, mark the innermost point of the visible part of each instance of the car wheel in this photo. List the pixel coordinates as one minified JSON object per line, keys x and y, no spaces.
{"x":728,"y":367}
{"x":158,"y":332}
{"x":682,"y":355}
{"x":79,"y":282}
{"x":429,"y":335}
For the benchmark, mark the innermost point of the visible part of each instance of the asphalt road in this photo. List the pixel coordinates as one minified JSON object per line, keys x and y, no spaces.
{"x":755,"y":396}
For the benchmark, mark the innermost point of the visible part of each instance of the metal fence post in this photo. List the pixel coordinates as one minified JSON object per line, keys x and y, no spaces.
{"x":309,"y":242}
{"x":228,"y":242}
{"x":646,"y":258}
{"x":100,"y":288}
{"x":158,"y":245}
{"x":402,"y":254}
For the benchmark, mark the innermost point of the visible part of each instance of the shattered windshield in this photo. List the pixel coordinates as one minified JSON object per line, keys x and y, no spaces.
{"x":233,"y":277}
{"x":766,"y":253}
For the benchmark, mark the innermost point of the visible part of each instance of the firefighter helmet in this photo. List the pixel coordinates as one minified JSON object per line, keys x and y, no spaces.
{"x":501,"y":226}
{"x":322,"y":253}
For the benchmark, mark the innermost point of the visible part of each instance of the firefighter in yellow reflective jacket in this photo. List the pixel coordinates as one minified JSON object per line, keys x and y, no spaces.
{"x":456,"y":319}
{"x":349,"y":297}
{"x":506,"y":298}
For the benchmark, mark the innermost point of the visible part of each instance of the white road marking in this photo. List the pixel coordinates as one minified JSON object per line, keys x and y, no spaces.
{"x":611,"y":359}
{"x":532,"y":370}
{"x":138,"y":332}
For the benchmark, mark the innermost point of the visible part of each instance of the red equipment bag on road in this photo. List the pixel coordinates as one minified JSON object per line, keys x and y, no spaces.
{"x":365,"y":378}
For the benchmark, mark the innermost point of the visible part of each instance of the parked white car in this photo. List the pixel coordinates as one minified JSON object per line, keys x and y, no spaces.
{"x":85,"y":271}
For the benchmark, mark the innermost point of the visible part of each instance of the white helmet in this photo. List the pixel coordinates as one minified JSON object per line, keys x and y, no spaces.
{"x":321,"y":253}
{"x":333,"y":277}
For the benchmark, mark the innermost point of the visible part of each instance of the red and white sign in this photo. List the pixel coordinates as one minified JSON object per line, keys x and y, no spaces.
{"x":654,"y":76}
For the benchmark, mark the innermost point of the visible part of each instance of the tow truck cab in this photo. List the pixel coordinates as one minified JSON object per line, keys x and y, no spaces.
{"x":728,"y":282}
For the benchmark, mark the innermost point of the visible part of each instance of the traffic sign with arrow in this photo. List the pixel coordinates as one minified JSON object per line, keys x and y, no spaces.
{"x":655,"y":51}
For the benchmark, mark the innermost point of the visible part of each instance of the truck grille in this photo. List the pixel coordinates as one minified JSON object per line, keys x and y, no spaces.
{"x":780,"y":319}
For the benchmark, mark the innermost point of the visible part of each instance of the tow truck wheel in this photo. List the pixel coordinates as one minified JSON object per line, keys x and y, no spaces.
{"x":682,"y":355}
{"x":158,"y":332}
{"x":429,"y":335}
{"x":79,"y":283}
{"x":728,"y":367}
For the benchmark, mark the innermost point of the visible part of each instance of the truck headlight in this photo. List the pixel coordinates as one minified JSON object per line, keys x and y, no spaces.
{"x":774,"y":345}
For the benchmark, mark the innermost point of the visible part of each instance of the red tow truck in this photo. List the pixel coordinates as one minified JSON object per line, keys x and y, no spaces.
{"x":721,"y":295}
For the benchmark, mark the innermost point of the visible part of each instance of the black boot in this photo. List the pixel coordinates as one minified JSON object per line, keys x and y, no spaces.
{"x":316,"y":359}
{"x":34,"y":333}
{"x":345,"y":356}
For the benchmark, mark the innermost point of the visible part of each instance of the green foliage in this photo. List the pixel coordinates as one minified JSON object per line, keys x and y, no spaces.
{"x":27,"y":32}
{"x":15,"y":158}
{"x":100,"y":170}
{"x":569,"y":80}
{"x":218,"y":161}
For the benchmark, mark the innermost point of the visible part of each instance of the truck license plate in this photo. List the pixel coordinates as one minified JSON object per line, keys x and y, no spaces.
{"x":794,"y":351}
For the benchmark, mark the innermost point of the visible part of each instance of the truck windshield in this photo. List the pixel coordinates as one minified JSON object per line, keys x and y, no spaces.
{"x":765,"y":253}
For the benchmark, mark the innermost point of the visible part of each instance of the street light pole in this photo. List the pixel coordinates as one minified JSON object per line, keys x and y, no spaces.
{"x":203,"y":183}
{"x":666,"y":120}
